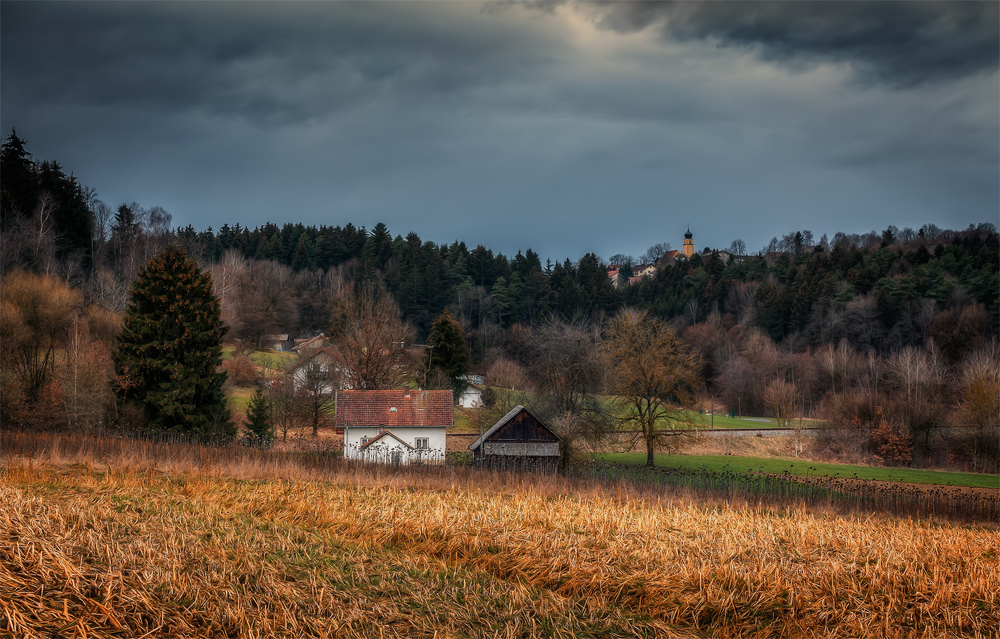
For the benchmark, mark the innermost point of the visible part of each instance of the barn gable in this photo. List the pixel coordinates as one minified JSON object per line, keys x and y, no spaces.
{"x":519,"y":430}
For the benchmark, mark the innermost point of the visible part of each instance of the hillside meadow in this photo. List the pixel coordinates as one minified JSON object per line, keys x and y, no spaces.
{"x":181,"y":545}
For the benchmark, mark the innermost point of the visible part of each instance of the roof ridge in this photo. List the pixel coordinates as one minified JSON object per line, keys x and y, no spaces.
{"x":497,"y":426}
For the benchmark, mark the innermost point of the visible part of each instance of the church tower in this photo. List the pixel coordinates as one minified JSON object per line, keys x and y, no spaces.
{"x":688,"y":248}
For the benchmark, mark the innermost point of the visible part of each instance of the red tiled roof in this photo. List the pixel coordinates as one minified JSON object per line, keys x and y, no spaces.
{"x":412,"y":408}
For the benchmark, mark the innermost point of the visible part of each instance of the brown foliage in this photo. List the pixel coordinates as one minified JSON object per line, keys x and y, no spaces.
{"x":959,"y":332}
{"x":892,"y":441}
{"x":241,"y":370}
{"x":44,"y":411}
{"x":35,"y":313}
{"x":979,"y":407}
{"x":104,"y":324}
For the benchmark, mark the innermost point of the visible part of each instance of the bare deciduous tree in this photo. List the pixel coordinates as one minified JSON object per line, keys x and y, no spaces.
{"x":739,"y":300}
{"x":692,"y":310}
{"x":316,"y":384}
{"x":286,"y":410}
{"x":372,"y":338}
{"x":782,"y":400}
{"x":979,"y":405}
{"x":35,"y":313}
{"x":264,"y":303}
{"x":655,"y":252}
{"x":654,"y":377}
{"x":86,"y":376}
{"x":836,"y":362}
{"x":912,"y":370}
{"x":567,"y":363}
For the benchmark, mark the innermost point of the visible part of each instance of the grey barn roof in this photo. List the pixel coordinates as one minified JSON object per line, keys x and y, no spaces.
{"x":500,"y":424}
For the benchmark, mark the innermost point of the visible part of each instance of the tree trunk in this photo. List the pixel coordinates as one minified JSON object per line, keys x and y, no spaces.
{"x":649,"y":453}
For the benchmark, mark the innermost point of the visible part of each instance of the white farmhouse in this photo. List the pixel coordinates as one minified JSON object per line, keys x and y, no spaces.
{"x":317,"y":373}
{"x":471,"y":397}
{"x":395,"y":426}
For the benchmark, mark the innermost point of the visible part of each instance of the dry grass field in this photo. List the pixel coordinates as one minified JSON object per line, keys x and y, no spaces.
{"x":139,"y":546}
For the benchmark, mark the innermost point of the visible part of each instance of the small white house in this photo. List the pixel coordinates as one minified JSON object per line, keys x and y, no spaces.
{"x":471,"y":397}
{"x":395,"y":426}
{"x":317,"y":373}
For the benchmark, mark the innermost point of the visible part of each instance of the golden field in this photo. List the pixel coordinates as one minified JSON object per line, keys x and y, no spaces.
{"x":136,"y":548}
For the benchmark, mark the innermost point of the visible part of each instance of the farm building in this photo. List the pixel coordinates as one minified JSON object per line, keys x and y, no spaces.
{"x":395,"y":426}
{"x":518,"y":441}
{"x":276,"y":342}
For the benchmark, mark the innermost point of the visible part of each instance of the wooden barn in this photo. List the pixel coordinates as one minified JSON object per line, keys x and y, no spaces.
{"x":519,"y":441}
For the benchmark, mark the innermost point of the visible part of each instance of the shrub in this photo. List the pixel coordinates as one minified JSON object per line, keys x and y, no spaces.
{"x":241,"y":370}
{"x":893,"y":442}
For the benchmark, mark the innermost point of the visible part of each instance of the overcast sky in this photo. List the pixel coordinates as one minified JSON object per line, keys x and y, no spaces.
{"x":564,"y":127}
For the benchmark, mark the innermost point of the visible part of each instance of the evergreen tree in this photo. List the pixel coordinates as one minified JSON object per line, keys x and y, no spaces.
{"x":19,"y":189}
{"x":300,"y":259}
{"x":259,"y":420}
{"x":501,"y":295}
{"x":171,"y":346}
{"x":448,"y":350}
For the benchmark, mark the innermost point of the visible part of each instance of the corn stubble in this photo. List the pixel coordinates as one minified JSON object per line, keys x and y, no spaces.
{"x":127,"y":552}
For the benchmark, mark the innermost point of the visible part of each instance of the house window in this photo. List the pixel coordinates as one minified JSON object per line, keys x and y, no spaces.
{"x":422,"y":443}
{"x":365,"y":440}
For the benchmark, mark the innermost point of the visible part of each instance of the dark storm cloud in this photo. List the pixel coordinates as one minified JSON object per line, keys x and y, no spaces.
{"x":513,"y":128}
{"x":895,"y":42}
{"x":258,"y":60}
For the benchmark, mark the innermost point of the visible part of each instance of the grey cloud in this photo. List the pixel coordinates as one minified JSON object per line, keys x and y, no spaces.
{"x":274,"y":62}
{"x":501,"y":126}
{"x":900,"y":43}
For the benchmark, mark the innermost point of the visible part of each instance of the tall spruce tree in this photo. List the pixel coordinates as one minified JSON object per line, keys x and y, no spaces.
{"x":448,"y":350}
{"x":171,"y":346}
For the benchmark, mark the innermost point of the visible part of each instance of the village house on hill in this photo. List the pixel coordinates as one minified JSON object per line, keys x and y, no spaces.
{"x":310,"y":344}
{"x":317,"y":373}
{"x":669,"y":258}
{"x":395,"y":426}
{"x":475,"y":386}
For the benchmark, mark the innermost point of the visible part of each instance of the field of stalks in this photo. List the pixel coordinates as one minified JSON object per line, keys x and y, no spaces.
{"x":170,"y":541}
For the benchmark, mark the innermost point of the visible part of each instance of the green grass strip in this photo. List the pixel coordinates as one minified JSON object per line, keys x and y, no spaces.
{"x":736,"y":464}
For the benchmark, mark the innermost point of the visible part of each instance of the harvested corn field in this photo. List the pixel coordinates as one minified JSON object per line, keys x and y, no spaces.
{"x":116,"y":552}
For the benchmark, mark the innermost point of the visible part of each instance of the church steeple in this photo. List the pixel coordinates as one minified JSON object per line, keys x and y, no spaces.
{"x":688,"y":248}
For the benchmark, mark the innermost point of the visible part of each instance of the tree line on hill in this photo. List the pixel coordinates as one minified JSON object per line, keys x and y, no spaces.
{"x":891,"y":335}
